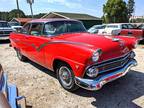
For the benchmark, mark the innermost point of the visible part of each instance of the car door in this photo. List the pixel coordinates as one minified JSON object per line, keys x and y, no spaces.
{"x":35,"y":40}
{"x":20,"y":39}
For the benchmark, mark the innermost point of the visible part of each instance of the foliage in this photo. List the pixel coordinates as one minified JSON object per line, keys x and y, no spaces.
{"x":37,"y":15}
{"x":7,"y":16}
{"x":12,"y":14}
{"x":138,"y":20}
{"x":16,"y":13}
{"x":130,"y":7}
{"x":115,"y":11}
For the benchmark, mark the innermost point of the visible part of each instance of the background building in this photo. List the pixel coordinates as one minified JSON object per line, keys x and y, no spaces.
{"x":87,"y":20}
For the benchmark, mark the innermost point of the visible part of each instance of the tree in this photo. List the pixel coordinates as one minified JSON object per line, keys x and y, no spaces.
{"x":115,"y":11}
{"x":30,"y":2}
{"x":14,"y":13}
{"x":130,"y":7}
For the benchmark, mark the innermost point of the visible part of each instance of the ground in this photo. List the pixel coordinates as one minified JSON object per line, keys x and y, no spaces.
{"x":42,"y":90}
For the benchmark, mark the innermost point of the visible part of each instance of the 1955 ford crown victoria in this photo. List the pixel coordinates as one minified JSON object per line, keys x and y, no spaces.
{"x":80,"y":59}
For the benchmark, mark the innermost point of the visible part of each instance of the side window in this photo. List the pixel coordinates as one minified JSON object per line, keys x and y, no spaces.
{"x":130,"y":26}
{"x":124,"y":26}
{"x":54,"y":28}
{"x":25,"y":29}
{"x":36,"y":29}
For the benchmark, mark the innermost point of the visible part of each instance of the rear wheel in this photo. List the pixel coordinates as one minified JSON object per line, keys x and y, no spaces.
{"x":20,"y":56}
{"x":66,"y":77}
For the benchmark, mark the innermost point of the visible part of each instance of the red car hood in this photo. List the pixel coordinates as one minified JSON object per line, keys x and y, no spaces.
{"x":109,"y":48}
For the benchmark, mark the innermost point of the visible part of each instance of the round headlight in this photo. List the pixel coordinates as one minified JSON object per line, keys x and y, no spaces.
{"x":92,"y":72}
{"x":96,"y":55}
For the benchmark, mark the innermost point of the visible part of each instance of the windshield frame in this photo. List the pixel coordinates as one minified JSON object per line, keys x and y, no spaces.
{"x":65,"y":22}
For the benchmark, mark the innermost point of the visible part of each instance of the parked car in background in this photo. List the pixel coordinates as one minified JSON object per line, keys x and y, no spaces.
{"x":125,"y":29}
{"x":110,"y":29}
{"x":8,"y":93}
{"x":15,"y":25}
{"x":131,"y":30}
{"x":95,"y":29}
{"x":5,"y":30}
{"x":80,"y":59}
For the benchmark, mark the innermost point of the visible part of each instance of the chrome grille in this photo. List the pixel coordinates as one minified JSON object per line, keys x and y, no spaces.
{"x":113,"y":63}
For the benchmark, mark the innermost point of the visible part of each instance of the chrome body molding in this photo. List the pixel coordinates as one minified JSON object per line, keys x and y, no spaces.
{"x":97,"y":83}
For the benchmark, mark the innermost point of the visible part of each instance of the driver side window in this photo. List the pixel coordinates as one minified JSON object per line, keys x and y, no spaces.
{"x":25,"y":29}
{"x":36,"y":29}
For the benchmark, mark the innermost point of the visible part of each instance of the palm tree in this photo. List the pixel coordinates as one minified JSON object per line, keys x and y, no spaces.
{"x":30,"y":3}
{"x":17,"y":2}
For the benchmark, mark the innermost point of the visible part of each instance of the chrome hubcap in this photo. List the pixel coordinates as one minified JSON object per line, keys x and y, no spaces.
{"x":65,"y":76}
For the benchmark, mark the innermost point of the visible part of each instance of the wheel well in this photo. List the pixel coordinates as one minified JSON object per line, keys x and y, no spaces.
{"x":57,"y":62}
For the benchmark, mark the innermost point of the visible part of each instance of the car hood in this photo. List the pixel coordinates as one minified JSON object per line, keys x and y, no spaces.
{"x":109,"y":47}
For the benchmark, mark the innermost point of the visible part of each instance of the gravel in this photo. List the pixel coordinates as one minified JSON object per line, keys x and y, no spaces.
{"x":42,"y":90}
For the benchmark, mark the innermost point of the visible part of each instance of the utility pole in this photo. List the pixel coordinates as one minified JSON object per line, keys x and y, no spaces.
{"x":17,"y":2}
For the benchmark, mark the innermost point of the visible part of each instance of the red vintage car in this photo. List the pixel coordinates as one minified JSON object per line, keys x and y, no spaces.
{"x":80,"y":59}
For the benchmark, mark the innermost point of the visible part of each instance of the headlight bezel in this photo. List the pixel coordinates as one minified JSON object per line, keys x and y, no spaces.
{"x":96,"y":55}
{"x":92,"y":72}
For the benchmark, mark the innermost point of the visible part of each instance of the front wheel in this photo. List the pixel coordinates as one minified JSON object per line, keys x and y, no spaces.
{"x":66,"y":77}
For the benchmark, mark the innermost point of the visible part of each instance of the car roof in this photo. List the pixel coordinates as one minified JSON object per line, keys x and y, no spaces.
{"x":51,"y":20}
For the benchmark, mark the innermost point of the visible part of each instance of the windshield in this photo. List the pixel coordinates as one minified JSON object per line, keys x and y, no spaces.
{"x":61,"y":27}
{"x":4,"y":24}
{"x":95,"y":28}
{"x":14,"y":24}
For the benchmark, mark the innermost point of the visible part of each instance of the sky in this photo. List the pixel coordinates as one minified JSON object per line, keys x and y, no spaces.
{"x":92,"y":7}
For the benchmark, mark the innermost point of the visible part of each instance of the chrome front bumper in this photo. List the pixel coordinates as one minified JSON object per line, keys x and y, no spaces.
{"x":97,"y":83}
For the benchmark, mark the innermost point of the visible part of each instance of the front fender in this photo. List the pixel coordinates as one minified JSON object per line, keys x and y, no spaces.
{"x":77,"y":67}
